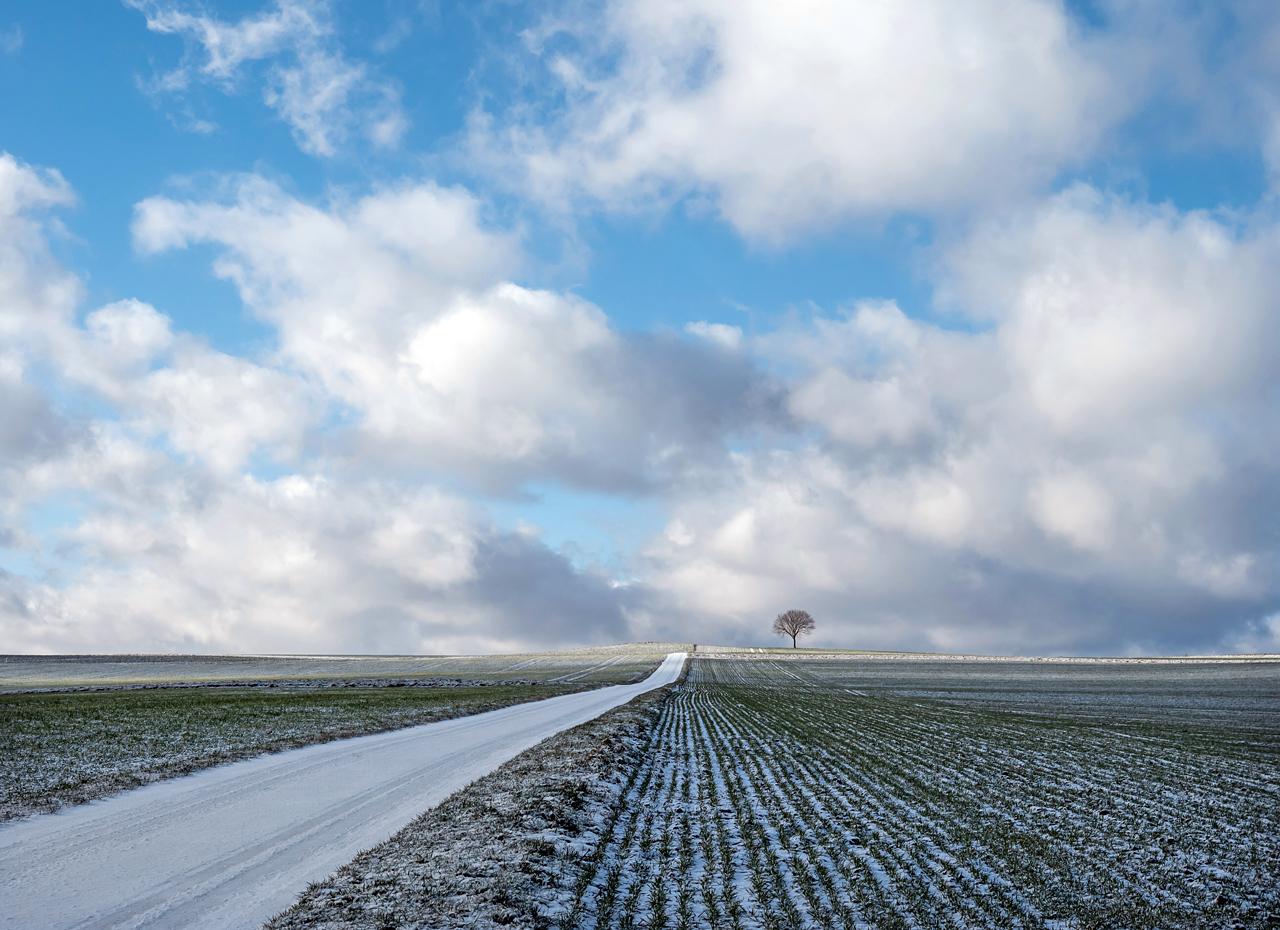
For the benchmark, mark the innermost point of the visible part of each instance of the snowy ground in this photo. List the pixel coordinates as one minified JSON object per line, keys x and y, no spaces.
{"x":807,"y":794}
{"x":233,"y":845}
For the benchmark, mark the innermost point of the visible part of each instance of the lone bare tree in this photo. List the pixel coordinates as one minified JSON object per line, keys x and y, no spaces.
{"x":793,"y":623}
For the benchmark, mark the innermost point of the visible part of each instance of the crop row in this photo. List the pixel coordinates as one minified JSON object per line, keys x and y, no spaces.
{"x":774,"y":799}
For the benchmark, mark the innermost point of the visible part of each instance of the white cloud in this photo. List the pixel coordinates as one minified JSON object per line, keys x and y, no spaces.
{"x":174,"y":560}
{"x":35,"y":293}
{"x":222,"y":409}
{"x":729,"y":337}
{"x":129,"y":333}
{"x":394,"y":310}
{"x":37,"y":302}
{"x":269,"y":563}
{"x":1126,"y":311}
{"x":172,"y":545}
{"x":801,"y":115}
{"x":1079,"y":466}
{"x":398,"y":306}
{"x":891,"y":405}
{"x":862,"y":412}
{"x":1228,"y":576}
{"x":1083,"y":469}
{"x":218,"y":408}
{"x":316,"y":90}
{"x":1074,"y":507}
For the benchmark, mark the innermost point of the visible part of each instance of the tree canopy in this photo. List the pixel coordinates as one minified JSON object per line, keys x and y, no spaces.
{"x":793,"y":623}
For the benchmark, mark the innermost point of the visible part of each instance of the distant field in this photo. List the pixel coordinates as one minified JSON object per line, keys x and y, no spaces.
{"x":1236,"y":692}
{"x":602,"y":665}
{"x":148,"y":718}
{"x":782,"y":788}
{"x":851,"y":793}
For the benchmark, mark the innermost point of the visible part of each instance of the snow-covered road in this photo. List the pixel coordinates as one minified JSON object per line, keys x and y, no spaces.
{"x":231,"y":846}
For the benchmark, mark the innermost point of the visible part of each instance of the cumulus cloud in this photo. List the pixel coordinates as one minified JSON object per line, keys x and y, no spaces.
{"x":180,"y":561}
{"x":1081,"y":459}
{"x":1153,"y":312}
{"x":1074,"y":469}
{"x":321,"y":94}
{"x":399,"y":305}
{"x":30,"y":429}
{"x":729,"y":337}
{"x":404,"y":352}
{"x":37,"y":302}
{"x":37,"y":292}
{"x":797,"y":116}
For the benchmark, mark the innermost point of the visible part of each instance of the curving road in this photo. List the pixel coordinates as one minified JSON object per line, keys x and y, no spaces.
{"x":231,"y":846}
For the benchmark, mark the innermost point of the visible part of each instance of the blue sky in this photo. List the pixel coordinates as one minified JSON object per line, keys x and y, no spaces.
{"x":83,"y":112}
{"x":506,"y":326}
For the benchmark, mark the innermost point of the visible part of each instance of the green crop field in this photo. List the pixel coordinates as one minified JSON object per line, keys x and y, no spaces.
{"x":872,"y":794}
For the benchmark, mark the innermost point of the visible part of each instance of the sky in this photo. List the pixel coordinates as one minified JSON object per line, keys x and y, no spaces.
{"x":433,"y":327}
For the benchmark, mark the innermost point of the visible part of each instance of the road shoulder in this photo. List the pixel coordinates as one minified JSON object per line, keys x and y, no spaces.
{"x":504,"y":852}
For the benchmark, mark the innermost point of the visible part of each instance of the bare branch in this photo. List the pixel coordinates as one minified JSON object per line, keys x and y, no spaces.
{"x":793,"y":623}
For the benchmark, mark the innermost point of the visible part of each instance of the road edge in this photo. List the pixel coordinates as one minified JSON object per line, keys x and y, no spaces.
{"x":506,"y":851}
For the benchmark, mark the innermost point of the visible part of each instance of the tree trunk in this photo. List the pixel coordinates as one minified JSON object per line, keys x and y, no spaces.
{"x":793,"y":640}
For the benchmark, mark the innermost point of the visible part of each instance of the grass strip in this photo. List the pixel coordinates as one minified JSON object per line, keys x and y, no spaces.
{"x":59,"y":749}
